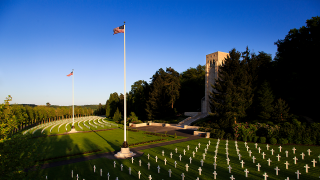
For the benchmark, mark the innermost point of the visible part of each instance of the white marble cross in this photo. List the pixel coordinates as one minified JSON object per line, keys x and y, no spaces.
{"x":227,"y":154}
{"x":239,"y":156}
{"x":176,"y":149}
{"x":229,"y":167}
{"x":148,"y":165}
{"x":165,"y":161}
{"x":108,"y":175}
{"x":169,"y":172}
{"x":201,"y":162}
{"x":286,"y":164}
{"x":190,"y":159}
{"x":298,"y":173}
{"x":132,"y":160}
{"x":196,"y":149}
{"x":256,"y":145}
{"x":209,"y":142}
{"x":228,"y":160}
{"x":139,"y":173}
{"x":188,"y":147}
{"x":263,"y":154}
{"x":77,"y":176}
{"x":148,"y":156}
{"x":309,"y":151}
{"x":246,"y":171}
{"x":199,"y":145}
{"x":200,"y":170}
{"x":286,"y":153}
{"x":280,"y":148}
{"x":214,"y":174}
{"x":245,"y":144}
{"x":295,"y":160}
{"x":247,"y":148}
{"x":272,"y":151}
{"x":265,"y":176}
{"x":94,"y":168}
{"x":215,"y":158}
{"x":180,"y":157}
{"x":302,"y":154}
{"x":162,"y":152}
{"x":72,"y":173}
{"x":170,"y":155}
{"x":204,"y":156}
{"x":242,"y":163}
{"x":250,"y":153}
{"x":187,"y":167}
{"x":214,"y":165}
{"x":253,"y":159}
{"x":205,"y":151}
{"x":158,"y":169}
{"x":184,"y":152}
{"x":156,"y":158}
{"x":130,"y":170}
{"x":121,"y":166}
{"x":314,"y":162}
{"x":232,"y":178}
{"x":175,"y":164}
{"x":182,"y":175}
{"x":193,"y":153}
{"x":294,"y":150}
{"x":150,"y":177}
{"x":307,"y":167}
{"x":259,"y":149}
{"x":100,"y":172}
{"x":267,"y":146}
{"x":259,"y":166}
{"x":269,"y":161}
{"x":114,"y":164}
{"x":277,"y":169}
{"x":118,"y":179}
{"x":238,"y":151}
{"x":207,"y":146}
{"x":278,"y":156}
{"x":140,"y":162}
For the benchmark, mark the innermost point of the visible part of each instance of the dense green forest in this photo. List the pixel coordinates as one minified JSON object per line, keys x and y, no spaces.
{"x":251,"y":86}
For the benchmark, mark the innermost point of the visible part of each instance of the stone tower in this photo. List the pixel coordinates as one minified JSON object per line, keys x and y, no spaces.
{"x":213,"y":61}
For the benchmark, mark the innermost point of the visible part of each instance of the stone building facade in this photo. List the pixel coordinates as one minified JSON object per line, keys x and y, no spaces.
{"x":213,"y":61}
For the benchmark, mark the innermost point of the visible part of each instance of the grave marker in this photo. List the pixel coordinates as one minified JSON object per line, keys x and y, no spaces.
{"x":175,"y":164}
{"x":309,"y":151}
{"x":245,"y":144}
{"x":298,"y":173}
{"x":188,"y":147}
{"x":253,"y":158}
{"x":227,"y":154}
{"x":214,"y":174}
{"x":121,"y":167}
{"x":72,"y":173}
{"x":139,"y":173}
{"x":302,"y":155}
{"x":207,"y":146}
{"x":94,"y":168}
{"x":272,"y":151}
{"x":228,"y":160}
{"x":130,"y":170}
{"x":209,"y":142}
{"x":184,"y":152}
{"x":242,"y":163}
{"x":263,"y":154}
{"x":269,"y":160}
{"x":265,"y":176}
{"x":156,"y":158}
{"x":162,"y":152}
{"x":190,"y":160}
{"x":169,"y":172}
{"x":232,"y":178}
{"x":256,"y":145}
{"x":196,"y":149}
{"x":171,"y":155}
{"x":259,"y":149}
{"x":215,"y":158}
{"x":229,"y":167}
{"x":108,"y":175}
{"x":165,"y":161}
{"x":140,"y":162}
{"x":249,"y":153}
{"x":187,"y":167}
{"x":204,"y":156}
{"x":200,"y":170}
{"x":286,"y":153}
{"x":259,"y":166}
{"x":114,"y":164}
{"x":176,"y":149}
{"x":295,"y":160}
{"x":267,"y":146}
{"x":205,"y":151}
{"x":193,"y":153}
{"x":239,"y":157}
{"x":247,"y":148}
{"x":148,"y":165}
{"x":314,"y":162}
{"x":278,"y":156}
{"x":182,"y":175}
{"x":148,"y":156}
{"x":158,"y":169}
{"x":294,"y":150}
{"x":214,"y":165}
{"x":246,"y":171}
{"x":132,"y":160}
{"x":100,"y":172}
{"x":286,"y":164}
{"x":277,"y":169}
{"x":199,"y":145}
{"x":180,"y":157}
{"x":307,"y":167}
{"x":201,"y":162}
{"x":150,"y":177}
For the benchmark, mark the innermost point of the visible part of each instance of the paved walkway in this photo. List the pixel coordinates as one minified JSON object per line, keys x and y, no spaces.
{"x":110,"y":155}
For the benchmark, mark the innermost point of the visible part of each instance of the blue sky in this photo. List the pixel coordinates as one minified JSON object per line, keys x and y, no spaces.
{"x":42,"y":41}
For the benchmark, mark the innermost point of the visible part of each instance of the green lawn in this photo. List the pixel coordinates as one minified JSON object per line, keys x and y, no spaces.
{"x":85,"y":169}
{"x":106,"y":141}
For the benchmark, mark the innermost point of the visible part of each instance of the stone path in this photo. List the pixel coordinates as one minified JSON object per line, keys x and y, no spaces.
{"x":110,"y":155}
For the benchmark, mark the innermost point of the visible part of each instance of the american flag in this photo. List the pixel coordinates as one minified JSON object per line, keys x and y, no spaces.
{"x":70,"y":74}
{"x":119,"y":29}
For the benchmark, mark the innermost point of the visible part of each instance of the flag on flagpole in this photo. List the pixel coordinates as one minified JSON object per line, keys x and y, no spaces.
{"x":119,"y":29}
{"x":70,"y":74}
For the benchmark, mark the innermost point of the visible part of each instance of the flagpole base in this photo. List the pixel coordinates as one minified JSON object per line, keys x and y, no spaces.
{"x":125,"y":152}
{"x":73,"y":130}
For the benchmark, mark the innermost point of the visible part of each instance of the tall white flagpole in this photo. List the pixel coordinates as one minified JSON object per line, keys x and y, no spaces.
{"x":73,"y":97}
{"x":125,"y":100}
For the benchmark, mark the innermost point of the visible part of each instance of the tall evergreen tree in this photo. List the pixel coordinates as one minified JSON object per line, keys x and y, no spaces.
{"x":281,"y":111}
{"x":265,"y":99}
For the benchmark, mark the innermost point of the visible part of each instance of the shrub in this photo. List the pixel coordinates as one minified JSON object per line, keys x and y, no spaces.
{"x":244,"y":138}
{"x":273,"y":141}
{"x":217,"y":133}
{"x":255,"y":139}
{"x":228,"y":136}
{"x":283,"y":141}
{"x":262,"y":139}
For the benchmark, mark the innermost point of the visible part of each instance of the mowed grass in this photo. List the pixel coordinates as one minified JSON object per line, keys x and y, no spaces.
{"x":85,"y":169}
{"x":106,"y":141}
